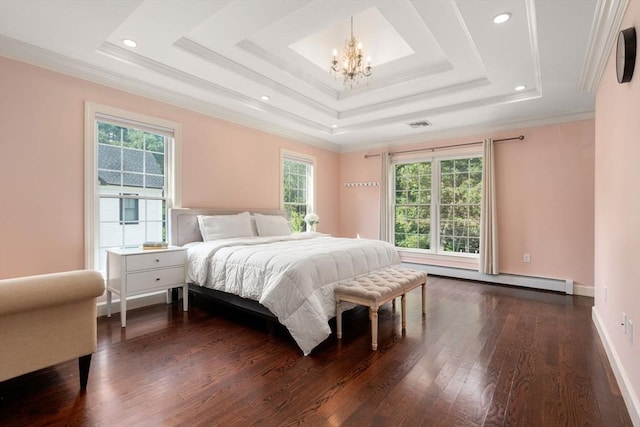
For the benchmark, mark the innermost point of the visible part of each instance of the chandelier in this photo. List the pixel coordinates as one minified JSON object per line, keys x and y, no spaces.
{"x":350,"y":64}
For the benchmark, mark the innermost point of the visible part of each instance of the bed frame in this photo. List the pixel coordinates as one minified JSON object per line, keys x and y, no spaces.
{"x":183,"y":229}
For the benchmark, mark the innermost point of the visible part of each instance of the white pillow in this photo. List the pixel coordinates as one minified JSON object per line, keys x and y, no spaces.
{"x":272,"y":225}
{"x":225,"y":226}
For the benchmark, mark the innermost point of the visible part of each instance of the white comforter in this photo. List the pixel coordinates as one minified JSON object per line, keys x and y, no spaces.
{"x":293,"y":276}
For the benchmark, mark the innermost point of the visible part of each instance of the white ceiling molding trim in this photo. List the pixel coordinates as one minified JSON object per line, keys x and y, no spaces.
{"x":221,"y":61}
{"x":396,"y":79}
{"x":20,"y":51}
{"x":141,"y":61}
{"x":441,"y":61}
{"x":471,"y":131}
{"x":426,"y":114}
{"x":447,"y":90}
{"x":606,"y":23}
{"x":258,"y":52}
{"x":533,"y":36}
{"x":374,"y":84}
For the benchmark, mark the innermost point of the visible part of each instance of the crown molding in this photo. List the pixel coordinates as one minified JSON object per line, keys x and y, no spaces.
{"x":471,"y":131}
{"x":173,"y":73}
{"x":261,"y":53}
{"x":396,"y":79}
{"x":376,"y":84}
{"x":424,"y":114}
{"x":606,"y":22}
{"x":213,"y":57}
{"x":217,"y":59}
{"x":532,"y":23}
{"x":442,"y":91}
{"x":30,"y":54}
{"x":43,"y":58}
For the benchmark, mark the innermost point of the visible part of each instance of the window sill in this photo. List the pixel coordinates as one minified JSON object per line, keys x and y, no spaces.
{"x":468,"y":261}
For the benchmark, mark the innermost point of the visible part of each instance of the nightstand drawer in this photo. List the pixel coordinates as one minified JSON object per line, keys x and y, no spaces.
{"x":155,"y":260}
{"x":155,"y":279}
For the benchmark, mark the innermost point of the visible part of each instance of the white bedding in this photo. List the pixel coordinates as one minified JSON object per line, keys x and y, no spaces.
{"x":293,"y":276}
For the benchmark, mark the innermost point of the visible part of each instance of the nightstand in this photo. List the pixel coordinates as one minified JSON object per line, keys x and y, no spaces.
{"x":134,"y":271}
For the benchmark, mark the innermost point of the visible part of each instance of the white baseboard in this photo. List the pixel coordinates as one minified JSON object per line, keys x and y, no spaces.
{"x":585,"y":291}
{"x":558,"y":285}
{"x":628,"y":393}
{"x":133,"y":302}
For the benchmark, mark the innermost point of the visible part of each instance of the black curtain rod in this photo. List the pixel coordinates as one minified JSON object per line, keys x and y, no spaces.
{"x":521,"y":137}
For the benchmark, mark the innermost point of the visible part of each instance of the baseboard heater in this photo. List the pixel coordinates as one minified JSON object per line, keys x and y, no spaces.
{"x":557,"y":285}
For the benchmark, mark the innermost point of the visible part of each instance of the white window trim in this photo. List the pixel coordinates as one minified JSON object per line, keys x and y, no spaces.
{"x":174,"y":177}
{"x":292,"y":155}
{"x":430,"y":255}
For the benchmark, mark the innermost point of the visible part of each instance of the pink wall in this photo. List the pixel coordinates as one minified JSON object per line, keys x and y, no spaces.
{"x":545,"y":199}
{"x":359,"y":206}
{"x":617,"y":211}
{"x":41,"y":166}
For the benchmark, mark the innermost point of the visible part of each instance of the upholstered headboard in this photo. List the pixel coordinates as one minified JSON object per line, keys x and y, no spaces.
{"x":183,"y":222}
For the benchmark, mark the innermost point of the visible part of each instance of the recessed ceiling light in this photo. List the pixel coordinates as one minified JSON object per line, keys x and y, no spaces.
{"x":265,"y":97}
{"x":502,"y":18}
{"x":334,"y":126}
{"x":521,"y":87}
{"x":129,"y":42}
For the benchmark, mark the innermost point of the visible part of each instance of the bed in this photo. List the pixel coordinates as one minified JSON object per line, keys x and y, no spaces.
{"x":273,"y":274}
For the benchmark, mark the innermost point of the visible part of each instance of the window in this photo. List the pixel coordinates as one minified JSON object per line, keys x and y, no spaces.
{"x":460,"y":201}
{"x":129,"y":209}
{"x":131,"y":180}
{"x":297,"y":188}
{"x":436,"y":205}
{"x":412,"y":211}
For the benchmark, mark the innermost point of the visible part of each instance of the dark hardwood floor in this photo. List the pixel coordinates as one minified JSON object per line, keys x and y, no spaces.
{"x":482,"y":355}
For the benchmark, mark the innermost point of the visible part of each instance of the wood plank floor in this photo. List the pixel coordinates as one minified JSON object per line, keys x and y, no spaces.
{"x":482,"y":355}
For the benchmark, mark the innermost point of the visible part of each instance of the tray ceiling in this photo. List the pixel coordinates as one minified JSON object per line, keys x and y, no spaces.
{"x":442,"y":61}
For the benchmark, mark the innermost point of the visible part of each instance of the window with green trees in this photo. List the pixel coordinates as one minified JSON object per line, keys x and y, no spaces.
{"x":413,"y":205}
{"x":297,"y":190}
{"x":437,"y":205}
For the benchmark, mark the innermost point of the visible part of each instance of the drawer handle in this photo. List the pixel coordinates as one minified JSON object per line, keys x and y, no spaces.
{"x":157,"y":279}
{"x":157,"y":260}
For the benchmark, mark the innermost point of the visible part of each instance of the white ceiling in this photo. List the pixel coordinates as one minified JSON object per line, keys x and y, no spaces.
{"x":443,"y":61}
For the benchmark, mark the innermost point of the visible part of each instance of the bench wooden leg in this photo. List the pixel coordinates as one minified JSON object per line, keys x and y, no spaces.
{"x":374,"y":328}
{"x":403,"y":300}
{"x":424,"y":298}
{"x":338,"y":319}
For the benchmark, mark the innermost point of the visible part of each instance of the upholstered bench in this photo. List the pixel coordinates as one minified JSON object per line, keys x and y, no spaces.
{"x":375,"y":289}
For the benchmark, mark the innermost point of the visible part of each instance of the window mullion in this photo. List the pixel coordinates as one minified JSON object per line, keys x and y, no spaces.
{"x":435,"y":205}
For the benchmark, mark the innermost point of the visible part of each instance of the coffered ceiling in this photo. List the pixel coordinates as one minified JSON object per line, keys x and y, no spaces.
{"x":443,"y":62}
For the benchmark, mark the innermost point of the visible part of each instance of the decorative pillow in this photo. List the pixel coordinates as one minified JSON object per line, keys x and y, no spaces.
{"x":254,"y":227}
{"x":216,"y":227}
{"x":272,"y":225}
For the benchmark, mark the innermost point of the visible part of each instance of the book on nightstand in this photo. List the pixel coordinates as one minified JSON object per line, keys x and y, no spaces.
{"x":154,"y":245}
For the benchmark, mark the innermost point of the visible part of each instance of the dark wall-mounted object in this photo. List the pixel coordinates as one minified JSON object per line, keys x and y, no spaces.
{"x":626,"y":54}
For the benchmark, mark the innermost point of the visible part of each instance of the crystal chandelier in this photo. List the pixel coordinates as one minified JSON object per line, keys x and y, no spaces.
{"x":351,"y":64}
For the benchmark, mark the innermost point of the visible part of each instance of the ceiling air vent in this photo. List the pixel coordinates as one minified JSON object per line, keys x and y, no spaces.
{"x":420,"y":124}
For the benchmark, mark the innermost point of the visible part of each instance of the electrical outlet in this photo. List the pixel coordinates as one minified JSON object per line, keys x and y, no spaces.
{"x":630,"y":331}
{"x":526,"y":258}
